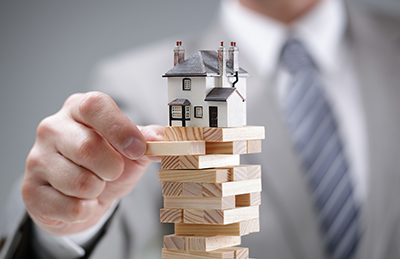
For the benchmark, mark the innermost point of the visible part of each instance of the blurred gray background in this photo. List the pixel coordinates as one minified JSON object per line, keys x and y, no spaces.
{"x":48,"y":48}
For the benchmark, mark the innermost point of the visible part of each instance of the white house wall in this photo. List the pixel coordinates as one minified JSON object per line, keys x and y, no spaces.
{"x":229,"y":113}
{"x":196,"y":97}
{"x":235,"y":111}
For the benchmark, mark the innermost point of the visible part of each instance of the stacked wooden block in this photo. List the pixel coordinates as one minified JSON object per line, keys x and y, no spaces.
{"x":211,"y":198}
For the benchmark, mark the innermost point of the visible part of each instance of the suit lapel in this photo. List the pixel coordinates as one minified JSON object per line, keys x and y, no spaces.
{"x":378,"y":65}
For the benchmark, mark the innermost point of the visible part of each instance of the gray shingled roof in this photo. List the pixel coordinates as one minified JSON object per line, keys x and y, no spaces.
{"x":180,"y":101}
{"x":202,"y":63}
{"x":220,"y":94}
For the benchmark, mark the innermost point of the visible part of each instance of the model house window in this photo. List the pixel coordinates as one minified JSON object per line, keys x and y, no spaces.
{"x":198,"y":112}
{"x":187,"y":112}
{"x":176,"y":112}
{"x":186,"y":82}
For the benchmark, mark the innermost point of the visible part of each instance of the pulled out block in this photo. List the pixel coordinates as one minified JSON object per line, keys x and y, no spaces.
{"x":200,"y":243}
{"x":235,"y":229}
{"x":183,"y":133}
{"x":223,"y":253}
{"x":199,"y":162}
{"x":195,"y":176}
{"x":233,"y":134}
{"x":205,"y":203}
{"x":175,"y":148}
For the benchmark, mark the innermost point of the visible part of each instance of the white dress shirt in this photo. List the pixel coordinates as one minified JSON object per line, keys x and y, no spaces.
{"x":261,"y":39}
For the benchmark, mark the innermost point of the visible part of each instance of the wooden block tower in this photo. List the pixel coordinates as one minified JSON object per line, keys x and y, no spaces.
{"x":211,"y":198}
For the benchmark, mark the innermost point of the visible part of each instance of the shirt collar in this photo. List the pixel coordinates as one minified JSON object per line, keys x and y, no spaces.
{"x":261,"y":38}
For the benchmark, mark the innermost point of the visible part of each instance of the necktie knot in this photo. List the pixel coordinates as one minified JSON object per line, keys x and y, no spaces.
{"x":295,"y":57}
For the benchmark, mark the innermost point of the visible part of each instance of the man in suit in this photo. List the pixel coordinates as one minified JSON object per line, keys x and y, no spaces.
{"x":88,"y":156}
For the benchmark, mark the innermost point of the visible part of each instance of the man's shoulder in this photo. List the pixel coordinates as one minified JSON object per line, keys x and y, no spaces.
{"x":378,"y":19}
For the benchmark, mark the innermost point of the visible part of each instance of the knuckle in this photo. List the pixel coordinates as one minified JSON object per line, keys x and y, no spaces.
{"x":45,"y":128}
{"x":33,"y":161}
{"x":87,"y":185}
{"x":89,"y":147}
{"x":92,"y":103}
{"x":27,"y":192}
{"x":78,"y":210}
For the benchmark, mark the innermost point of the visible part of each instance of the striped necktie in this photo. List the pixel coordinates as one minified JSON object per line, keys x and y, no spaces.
{"x":316,"y":138}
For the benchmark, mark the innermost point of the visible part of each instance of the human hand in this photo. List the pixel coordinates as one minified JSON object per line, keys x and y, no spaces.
{"x":86,"y":156}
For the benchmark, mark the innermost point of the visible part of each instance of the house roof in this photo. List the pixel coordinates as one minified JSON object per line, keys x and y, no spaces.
{"x":202,"y":63}
{"x":221,"y":94}
{"x":180,"y":101}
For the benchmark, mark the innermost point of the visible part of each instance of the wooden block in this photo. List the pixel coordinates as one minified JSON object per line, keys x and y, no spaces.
{"x":174,"y":242}
{"x":171,"y":215}
{"x":238,"y":173}
{"x":199,"y":162}
{"x":231,"y":188}
{"x":183,"y":133}
{"x":192,"y":189}
{"x":205,"y":244}
{"x":223,"y":253}
{"x":224,"y":217}
{"x":194,"y":176}
{"x":222,"y":203}
{"x":254,"y":146}
{"x":193,"y":216}
{"x":248,"y":199}
{"x":229,"y":148}
{"x":244,"y":172}
{"x":172,"y":189}
{"x":233,"y":134}
{"x":239,"y":252}
{"x":235,"y":229}
{"x":179,"y":254}
{"x":253,"y":171}
{"x":175,"y":148}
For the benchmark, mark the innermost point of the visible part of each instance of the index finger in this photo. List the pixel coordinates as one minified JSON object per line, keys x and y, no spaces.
{"x":100,"y":112}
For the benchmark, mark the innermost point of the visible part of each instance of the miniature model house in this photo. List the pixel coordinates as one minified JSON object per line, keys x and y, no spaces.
{"x":208,"y":89}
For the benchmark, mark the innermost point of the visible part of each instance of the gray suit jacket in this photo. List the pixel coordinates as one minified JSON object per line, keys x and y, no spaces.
{"x":289,"y":226}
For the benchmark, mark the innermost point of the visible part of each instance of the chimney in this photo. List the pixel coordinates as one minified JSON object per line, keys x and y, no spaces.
{"x":179,"y":53}
{"x":233,"y":53}
{"x":222,"y":64}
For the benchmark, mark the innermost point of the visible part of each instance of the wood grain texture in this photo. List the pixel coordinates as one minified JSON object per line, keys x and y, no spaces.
{"x":171,"y":215}
{"x":222,"y":203}
{"x":175,"y":148}
{"x":229,"y":148}
{"x":244,"y":172}
{"x":231,"y":188}
{"x":248,"y":199}
{"x":183,"y":133}
{"x":194,"y":176}
{"x":233,"y":134}
{"x":239,"y":252}
{"x":199,"y":162}
{"x":235,"y":229}
{"x":174,"y":242}
{"x":172,"y":189}
{"x":180,"y":254}
{"x":254,"y":146}
{"x":224,"y":217}
{"x":193,"y":216}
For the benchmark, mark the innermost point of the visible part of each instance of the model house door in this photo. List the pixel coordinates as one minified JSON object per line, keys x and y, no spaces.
{"x":213,"y":112}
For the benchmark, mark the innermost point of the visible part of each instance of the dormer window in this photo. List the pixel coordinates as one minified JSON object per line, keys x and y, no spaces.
{"x":186,"y":84}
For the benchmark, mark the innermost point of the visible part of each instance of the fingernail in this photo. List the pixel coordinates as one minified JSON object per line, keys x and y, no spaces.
{"x":134,"y":148}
